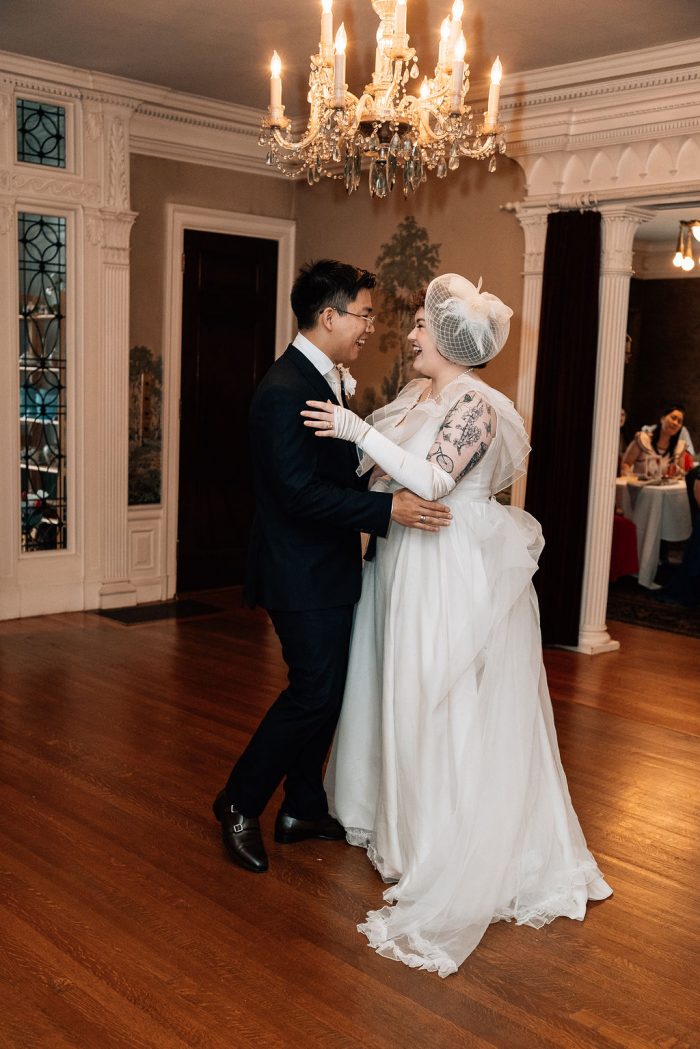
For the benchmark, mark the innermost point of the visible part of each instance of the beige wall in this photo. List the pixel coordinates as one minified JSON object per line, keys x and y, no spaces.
{"x":461,"y":213}
{"x":155,"y":183}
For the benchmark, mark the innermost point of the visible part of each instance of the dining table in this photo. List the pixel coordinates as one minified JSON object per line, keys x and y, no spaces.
{"x":660,"y":510}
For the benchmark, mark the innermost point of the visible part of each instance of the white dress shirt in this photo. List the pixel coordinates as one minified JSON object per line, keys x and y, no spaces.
{"x":321,"y":363}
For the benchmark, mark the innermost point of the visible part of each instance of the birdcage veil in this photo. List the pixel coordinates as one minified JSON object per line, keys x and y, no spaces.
{"x":469,"y":326}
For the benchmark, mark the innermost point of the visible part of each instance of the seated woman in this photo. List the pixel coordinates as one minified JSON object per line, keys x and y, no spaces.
{"x":659,"y":451}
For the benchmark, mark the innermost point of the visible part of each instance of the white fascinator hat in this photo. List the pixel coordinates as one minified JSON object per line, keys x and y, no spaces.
{"x":469,"y":326}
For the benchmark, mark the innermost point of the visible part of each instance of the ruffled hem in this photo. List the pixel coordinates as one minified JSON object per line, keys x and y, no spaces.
{"x":364,"y":839}
{"x":420,"y":954}
{"x":566,"y":901}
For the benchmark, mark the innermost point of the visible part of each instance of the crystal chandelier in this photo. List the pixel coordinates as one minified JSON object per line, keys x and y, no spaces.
{"x":689,"y":230}
{"x":400,"y":134}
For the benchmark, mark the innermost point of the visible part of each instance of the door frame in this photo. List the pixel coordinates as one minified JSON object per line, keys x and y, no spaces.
{"x":180,"y":217}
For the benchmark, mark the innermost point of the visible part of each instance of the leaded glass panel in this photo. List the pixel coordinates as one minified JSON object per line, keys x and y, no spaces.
{"x":42,"y":380}
{"x":41,"y":133}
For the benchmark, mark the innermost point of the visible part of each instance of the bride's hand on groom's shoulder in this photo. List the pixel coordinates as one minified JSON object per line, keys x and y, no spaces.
{"x":411,"y":511}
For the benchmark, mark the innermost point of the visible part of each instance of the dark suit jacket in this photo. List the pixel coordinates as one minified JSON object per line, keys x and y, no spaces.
{"x":310,"y":504}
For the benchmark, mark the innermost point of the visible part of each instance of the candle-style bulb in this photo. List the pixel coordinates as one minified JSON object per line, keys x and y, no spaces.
{"x":460,"y":48}
{"x":424,"y":88}
{"x":276,"y":64}
{"x":379,"y":35}
{"x":457,"y":9}
{"x":445,"y":30}
{"x":341,"y":40}
{"x":327,"y":6}
{"x":496,"y":71}
{"x":678,"y":259}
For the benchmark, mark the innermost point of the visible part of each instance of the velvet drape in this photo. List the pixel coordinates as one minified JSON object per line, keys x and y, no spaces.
{"x":562,"y":425}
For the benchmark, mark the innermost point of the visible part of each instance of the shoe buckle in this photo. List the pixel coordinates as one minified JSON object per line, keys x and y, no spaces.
{"x":237,"y":828}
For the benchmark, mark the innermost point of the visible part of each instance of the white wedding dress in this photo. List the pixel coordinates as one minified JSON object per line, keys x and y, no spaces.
{"x":445,"y":765}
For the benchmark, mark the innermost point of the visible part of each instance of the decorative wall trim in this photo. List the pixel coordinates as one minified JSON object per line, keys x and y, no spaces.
{"x":180,"y":218}
{"x":558,"y":113}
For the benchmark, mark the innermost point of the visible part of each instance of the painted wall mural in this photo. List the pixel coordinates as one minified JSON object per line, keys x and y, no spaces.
{"x":145,"y":425}
{"x":406,"y":263}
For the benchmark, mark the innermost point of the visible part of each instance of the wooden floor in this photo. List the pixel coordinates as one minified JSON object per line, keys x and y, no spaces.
{"x":123,"y":924}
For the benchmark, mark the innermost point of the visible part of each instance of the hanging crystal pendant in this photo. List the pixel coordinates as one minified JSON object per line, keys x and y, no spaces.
{"x":391,"y":170}
{"x":395,"y":144}
{"x":269,"y":159}
{"x":441,"y":168}
{"x":492,"y":165}
{"x":453,"y":162}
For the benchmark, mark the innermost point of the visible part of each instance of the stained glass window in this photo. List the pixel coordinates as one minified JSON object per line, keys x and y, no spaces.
{"x":42,"y":380}
{"x":41,"y":133}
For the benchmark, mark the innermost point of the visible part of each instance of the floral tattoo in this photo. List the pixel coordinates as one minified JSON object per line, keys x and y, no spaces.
{"x":464,"y":437}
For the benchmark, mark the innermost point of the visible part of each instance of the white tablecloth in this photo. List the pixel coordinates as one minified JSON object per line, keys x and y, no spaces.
{"x":659,"y":512}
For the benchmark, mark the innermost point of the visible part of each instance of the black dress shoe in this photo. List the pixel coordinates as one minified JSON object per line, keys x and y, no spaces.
{"x":241,"y":836}
{"x":288,"y":829}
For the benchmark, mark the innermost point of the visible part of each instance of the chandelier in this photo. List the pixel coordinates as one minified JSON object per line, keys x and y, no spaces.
{"x":689,"y":231}
{"x":400,"y":134}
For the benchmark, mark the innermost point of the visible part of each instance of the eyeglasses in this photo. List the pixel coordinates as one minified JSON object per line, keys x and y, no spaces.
{"x":369,"y":321}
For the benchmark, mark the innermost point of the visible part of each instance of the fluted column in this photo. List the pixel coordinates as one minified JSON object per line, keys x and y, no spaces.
{"x":619,"y":225}
{"x":534,"y":224}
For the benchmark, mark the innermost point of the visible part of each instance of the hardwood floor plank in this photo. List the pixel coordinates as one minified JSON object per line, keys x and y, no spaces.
{"x":125,"y":925}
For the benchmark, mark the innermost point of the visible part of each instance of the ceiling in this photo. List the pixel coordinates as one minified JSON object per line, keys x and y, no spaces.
{"x":221,"y":48}
{"x":663,"y":228}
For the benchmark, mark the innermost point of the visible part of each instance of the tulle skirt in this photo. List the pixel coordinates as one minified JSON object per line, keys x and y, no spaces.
{"x":445,"y":766}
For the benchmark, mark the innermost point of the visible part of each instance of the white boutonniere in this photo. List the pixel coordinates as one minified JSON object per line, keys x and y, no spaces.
{"x":349,"y":383}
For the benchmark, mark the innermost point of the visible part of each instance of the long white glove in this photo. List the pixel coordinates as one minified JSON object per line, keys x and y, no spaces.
{"x":419,"y":475}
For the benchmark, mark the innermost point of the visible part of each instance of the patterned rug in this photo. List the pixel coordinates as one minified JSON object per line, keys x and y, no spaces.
{"x":628,"y":602}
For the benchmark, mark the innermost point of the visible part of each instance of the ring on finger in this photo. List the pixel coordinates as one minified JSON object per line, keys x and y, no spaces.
{"x":422,"y":518}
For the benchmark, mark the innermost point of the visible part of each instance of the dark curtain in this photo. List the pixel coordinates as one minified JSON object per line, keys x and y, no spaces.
{"x":562,"y":424}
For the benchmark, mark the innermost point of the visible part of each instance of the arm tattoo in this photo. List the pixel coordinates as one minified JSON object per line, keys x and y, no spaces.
{"x":476,"y":457}
{"x":460,"y":427}
{"x":467,"y":427}
{"x":442,"y":460}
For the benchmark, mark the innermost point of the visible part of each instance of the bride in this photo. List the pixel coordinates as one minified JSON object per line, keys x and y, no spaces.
{"x":445,"y":765}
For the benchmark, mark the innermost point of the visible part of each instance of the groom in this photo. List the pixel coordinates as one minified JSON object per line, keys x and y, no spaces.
{"x":305,"y":562}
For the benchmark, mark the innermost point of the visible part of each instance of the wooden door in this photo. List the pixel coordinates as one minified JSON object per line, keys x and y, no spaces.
{"x":228,"y":342}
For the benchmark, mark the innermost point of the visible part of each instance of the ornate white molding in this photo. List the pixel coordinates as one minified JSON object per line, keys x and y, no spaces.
{"x":7,"y":219}
{"x":573,"y":128}
{"x":5,"y":108}
{"x":94,"y":124}
{"x":58,"y":187}
{"x":118,"y":185}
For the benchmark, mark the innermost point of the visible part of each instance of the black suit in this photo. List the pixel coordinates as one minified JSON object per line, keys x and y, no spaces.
{"x":305,"y":567}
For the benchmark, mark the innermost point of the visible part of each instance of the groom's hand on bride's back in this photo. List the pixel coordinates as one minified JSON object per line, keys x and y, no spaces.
{"x":411,"y":511}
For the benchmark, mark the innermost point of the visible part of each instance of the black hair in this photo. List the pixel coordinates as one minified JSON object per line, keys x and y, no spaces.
{"x":673,"y":441}
{"x":326,"y":283}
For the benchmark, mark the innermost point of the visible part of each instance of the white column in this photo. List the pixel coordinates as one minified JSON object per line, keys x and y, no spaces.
{"x":108,"y":230}
{"x":534,"y":224}
{"x":619,"y":224}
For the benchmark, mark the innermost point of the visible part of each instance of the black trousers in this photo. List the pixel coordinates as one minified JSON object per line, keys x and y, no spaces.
{"x":292,"y":740}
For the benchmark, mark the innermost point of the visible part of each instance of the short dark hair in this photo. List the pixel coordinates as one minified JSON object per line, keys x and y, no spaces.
{"x":418,"y":299}
{"x":326,"y":283}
